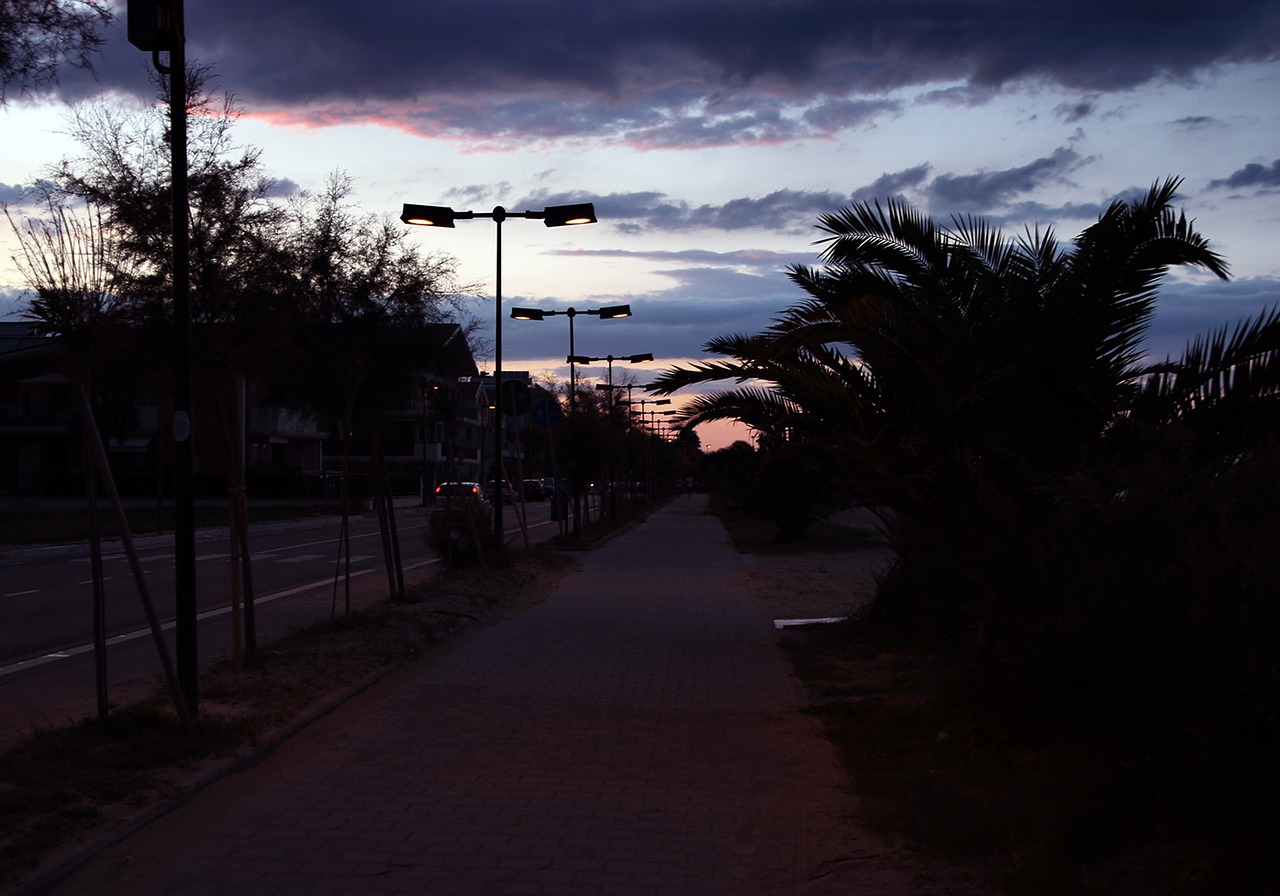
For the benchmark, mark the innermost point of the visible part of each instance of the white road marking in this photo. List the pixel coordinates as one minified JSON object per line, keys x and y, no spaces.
{"x":208,"y":614}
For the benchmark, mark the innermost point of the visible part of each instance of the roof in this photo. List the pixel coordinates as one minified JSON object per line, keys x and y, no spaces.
{"x":18,"y":335}
{"x":447,"y":352}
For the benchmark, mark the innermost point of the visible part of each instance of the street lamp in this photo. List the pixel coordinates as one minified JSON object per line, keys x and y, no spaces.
{"x":633,"y":359}
{"x":551,"y":216}
{"x":644,"y":401}
{"x":654,"y":423}
{"x":608,"y":312}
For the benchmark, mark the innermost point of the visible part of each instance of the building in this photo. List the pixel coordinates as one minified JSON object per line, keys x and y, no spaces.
{"x":41,"y":449}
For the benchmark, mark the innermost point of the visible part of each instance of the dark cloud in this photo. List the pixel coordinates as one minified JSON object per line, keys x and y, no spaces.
{"x":1072,"y":113}
{"x":990,"y":193}
{"x":989,"y":189}
{"x":23,"y":194}
{"x":1037,"y":215}
{"x":781,"y":210}
{"x":710,"y":294}
{"x":1197,"y":122}
{"x":752,"y":259}
{"x":11,"y":194}
{"x":1251,"y":176}
{"x":283,"y":188}
{"x":892,"y":185}
{"x":13,"y":303}
{"x":679,"y":72}
{"x":835,"y":114}
{"x":1186,"y":310}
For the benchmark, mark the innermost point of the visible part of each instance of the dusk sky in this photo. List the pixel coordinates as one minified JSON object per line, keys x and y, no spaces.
{"x":711,"y":136}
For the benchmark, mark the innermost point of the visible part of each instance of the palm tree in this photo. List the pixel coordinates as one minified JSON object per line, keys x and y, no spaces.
{"x":1224,"y":393}
{"x":962,"y":382}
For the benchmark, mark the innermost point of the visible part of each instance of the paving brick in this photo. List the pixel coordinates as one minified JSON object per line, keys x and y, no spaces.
{"x":617,"y":739}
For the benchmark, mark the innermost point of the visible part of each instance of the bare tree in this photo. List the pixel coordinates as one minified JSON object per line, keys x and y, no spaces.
{"x":360,"y":292}
{"x":235,"y":258}
{"x":68,"y":260}
{"x":37,"y":37}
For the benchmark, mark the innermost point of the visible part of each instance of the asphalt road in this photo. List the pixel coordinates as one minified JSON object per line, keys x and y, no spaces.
{"x":46,"y":594}
{"x":46,"y":653}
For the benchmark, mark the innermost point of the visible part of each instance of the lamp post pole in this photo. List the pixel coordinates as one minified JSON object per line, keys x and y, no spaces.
{"x":422,"y":396}
{"x":573,"y":370}
{"x":552,"y":216}
{"x":499,"y":215}
{"x":183,"y":485}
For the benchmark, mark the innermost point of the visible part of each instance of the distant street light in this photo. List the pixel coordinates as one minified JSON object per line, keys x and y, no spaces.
{"x":633,"y":359}
{"x":644,"y":401}
{"x":608,"y":312}
{"x":551,"y":216}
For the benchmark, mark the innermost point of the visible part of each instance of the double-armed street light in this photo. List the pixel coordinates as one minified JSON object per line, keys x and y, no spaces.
{"x":633,"y":359}
{"x":655,"y":424}
{"x":551,"y":216}
{"x":608,"y":312}
{"x":644,"y":401}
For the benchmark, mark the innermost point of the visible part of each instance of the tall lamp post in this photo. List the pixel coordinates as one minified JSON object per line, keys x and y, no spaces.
{"x":644,"y":401}
{"x":551,"y":216}
{"x":158,"y":26}
{"x":608,"y":312}
{"x":633,"y":359}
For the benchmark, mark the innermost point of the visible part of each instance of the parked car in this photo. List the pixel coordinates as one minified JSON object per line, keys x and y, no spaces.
{"x":503,"y":494}
{"x":533,"y":490}
{"x":454,"y":499}
{"x":458,"y":521}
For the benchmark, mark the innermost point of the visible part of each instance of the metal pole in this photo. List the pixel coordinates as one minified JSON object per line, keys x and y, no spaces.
{"x":573,"y":376}
{"x":610,"y":360}
{"x":499,"y":215}
{"x":183,"y":498}
{"x":422,"y":395}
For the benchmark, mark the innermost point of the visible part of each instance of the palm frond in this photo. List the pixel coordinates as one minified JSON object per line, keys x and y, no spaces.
{"x":1235,"y":366}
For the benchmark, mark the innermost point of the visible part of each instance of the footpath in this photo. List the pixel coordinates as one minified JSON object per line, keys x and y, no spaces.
{"x":637,"y":733}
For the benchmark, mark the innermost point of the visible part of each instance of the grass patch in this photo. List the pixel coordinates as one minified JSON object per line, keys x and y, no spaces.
{"x":1028,"y":812}
{"x":64,"y":782}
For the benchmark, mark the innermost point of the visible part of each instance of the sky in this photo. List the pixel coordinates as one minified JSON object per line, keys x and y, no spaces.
{"x":712,"y":134}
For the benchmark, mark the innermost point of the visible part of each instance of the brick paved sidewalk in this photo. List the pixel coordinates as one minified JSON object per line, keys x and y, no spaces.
{"x":635,"y":734}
